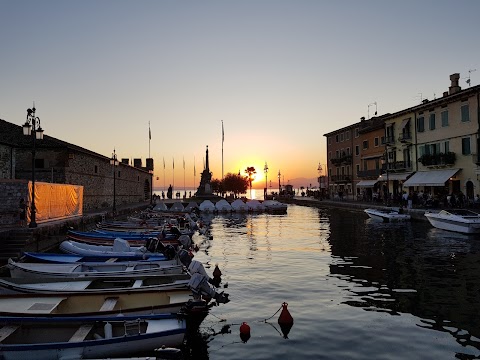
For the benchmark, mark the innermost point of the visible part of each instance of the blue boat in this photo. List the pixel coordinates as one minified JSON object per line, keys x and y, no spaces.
{"x":71,"y":258}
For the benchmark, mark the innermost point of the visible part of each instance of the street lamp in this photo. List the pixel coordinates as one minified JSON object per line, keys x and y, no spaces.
{"x":279,"y":186}
{"x":385,"y":162}
{"x":32,"y":128}
{"x":265,"y":170}
{"x":114,"y":162}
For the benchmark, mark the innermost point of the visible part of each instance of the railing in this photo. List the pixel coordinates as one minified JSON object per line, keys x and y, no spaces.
{"x":405,"y":137}
{"x":440,"y":159}
{"x":341,"y":178}
{"x":397,"y":166}
{"x":345,"y":160}
{"x":389,"y":139}
{"x":368,"y":173}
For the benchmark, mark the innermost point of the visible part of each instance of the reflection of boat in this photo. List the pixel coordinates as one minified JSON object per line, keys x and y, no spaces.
{"x":463,"y":221}
{"x":389,"y":215}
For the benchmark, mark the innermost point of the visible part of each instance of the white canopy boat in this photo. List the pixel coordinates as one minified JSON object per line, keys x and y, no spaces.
{"x":387,"y":215}
{"x":460,"y":220}
{"x":239,"y":206}
{"x":97,"y":270}
{"x":275,"y":207}
{"x":83,"y":339}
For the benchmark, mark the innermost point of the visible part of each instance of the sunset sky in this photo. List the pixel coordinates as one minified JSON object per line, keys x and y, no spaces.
{"x":280,"y":74}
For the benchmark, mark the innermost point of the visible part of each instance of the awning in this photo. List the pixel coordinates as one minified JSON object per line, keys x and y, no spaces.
{"x":404,"y":123}
{"x":430,"y":178}
{"x":367,"y":183}
{"x":394,"y":176}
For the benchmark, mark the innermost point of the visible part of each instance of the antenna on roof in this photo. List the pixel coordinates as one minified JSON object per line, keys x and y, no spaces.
{"x":469,"y":73}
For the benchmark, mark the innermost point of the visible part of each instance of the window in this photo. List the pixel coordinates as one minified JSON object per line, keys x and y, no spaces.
{"x":466,"y":146}
{"x":357,"y":150}
{"x":357,"y":134}
{"x":382,"y":140}
{"x":118,"y":173}
{"x":465,"y":113}
{"x":96,"y":169}
{"x":347,"y":135}
{"x":329,"y":154}
{"x":365,"y":167}
{"x":348,"y":151}
{"x":376,"y":142}
{"x":446,"y":145}
{"x":329,"y":140}
{"x":341,"y":137}
{"x":431,"y":122}
{"x":337,"y":154}
{"x":336,"y":138}
{"x":444,"y":118}
{"x":420,"y":124}
{"x":365,"y":144}
{"x":358,"y":168}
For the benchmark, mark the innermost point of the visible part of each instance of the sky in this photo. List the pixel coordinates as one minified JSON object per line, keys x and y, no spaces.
{"x":280,"y":74}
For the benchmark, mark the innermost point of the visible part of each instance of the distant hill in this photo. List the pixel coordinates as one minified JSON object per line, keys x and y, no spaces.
{"x":297,"y":183}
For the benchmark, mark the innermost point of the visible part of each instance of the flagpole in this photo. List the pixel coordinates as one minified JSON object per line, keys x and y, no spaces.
{"x":222,"y":148}
{"x":194,"y":175}
{"x":173,"y":184}
{"x":149,"y":139}
{"x":184,"y":189}
{"x":164,"y":174}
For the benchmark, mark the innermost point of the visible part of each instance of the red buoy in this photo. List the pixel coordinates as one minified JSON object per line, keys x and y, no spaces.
{"x":217,"y":273}
{"x":244,"y":332}
{"x":285,"y":320}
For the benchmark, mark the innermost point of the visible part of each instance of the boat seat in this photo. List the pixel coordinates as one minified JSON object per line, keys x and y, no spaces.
{"x":109,"y":304}
{"x":132,"y":327}
{"x":137,"y":284}
{"x":111,"y":260}
{"x":7,"y":330}
{"x":81,"y":333}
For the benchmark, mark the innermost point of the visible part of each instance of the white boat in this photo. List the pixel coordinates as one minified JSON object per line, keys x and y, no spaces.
{"x":97,"y":285}
{"x":239,"y":206}
{"x":207,"y":206}
{"x":274,"y":207}
{"x":85,"y":339}
{"x":255,"y":206}
{"x":223,"y":206}
{"x":387,"y":215}
{"x":119,"y":249}
{"x":461,"y":220}
{"x":98,"y":270}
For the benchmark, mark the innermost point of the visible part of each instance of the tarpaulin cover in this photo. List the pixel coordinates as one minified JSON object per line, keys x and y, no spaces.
{"x":55,"y":201}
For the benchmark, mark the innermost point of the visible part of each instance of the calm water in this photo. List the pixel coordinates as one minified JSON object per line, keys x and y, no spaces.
{"x":356,"y":289}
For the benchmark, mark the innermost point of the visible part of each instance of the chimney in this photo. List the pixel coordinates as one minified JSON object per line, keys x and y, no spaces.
{"x":454,"y":88}
{"x":125,"y":161}
{"x":362,"y":118}
{"x":137,"y":163}
{"x":445,"y":93}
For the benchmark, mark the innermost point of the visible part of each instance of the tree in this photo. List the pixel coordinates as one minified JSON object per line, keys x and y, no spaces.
{"x":251,"y":172}
{"x":235,"y":183}
{"x":217,"y":186}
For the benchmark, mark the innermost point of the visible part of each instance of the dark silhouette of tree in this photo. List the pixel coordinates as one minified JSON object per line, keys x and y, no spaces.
{"x":217,"y":186}
{"x":250,"y":171}
{"x":235,"y":183}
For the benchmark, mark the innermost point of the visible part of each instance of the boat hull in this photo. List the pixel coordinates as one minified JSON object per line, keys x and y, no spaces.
{"x":453,"y":224}
{"x":386,"y":216}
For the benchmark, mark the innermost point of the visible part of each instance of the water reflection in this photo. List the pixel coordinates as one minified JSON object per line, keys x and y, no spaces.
{"x":409,"y":268}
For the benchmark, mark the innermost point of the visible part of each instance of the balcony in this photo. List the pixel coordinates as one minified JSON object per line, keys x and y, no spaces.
{"x":438,"y":160}
{"x":369,"y":174}
{"x":341,"y":179}
{"x":398,"y":166}
{"x":389,"y":140}
{"x":405,"y":137}
{"x":343,"y":160}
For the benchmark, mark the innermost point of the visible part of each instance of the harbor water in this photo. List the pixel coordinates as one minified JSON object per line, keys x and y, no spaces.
{"x":356,"y":289}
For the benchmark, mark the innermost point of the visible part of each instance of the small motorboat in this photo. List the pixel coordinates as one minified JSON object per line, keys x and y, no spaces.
{"x":71,"y":258}
{"x":387,"y":215}
{"x":275,"y":207}
{"x":460,"y":220}
{"x":27,"y":270}
{"x":84,"y":338}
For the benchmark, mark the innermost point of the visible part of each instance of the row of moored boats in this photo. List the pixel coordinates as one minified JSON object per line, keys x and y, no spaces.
{"x":123,"y":288}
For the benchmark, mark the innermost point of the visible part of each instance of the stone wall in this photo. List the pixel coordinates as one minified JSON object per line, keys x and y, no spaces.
{"x":7,"y":162}
{"x":11,"y":191}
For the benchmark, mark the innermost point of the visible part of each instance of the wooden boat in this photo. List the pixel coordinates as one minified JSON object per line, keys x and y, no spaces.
{"x":96,"y":285}
{"x":71,"y":258}
{"x":98,"y":270}
{"x":90,"y":304}
{"x":86,"y":338}
{"x":460,"y":220}
{"x":120,"y":249}
{"x":388,"y":215}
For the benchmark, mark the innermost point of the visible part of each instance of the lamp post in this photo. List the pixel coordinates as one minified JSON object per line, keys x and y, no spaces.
{"x":279,"y":186}
{"x":32,"y":128}
{"x":114,"y":162}
{"x":385,"y":162}
{"x":265,"y":170}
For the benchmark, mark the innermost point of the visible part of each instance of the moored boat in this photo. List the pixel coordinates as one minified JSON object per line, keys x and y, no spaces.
{"x":387,"y":215}
{"x":458,"y":220}
{"x":98,"y":270}
{"x":86,"y":338}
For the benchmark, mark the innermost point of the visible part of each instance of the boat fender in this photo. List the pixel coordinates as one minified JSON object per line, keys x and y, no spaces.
{"x":108,"y":330}
{"x":244,"y":332}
